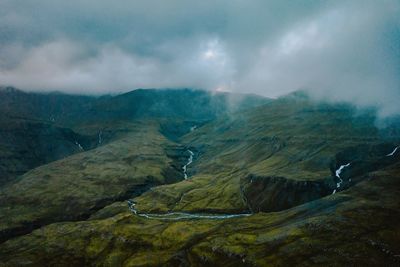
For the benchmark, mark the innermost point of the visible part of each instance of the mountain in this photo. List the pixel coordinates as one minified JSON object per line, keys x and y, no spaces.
{"x":73,"y":110}
{"x":38,"y":128}
{"x":276,"y":156}
{"x":26,"y":144}
{"x":50,"y":107}
{"x":188,"y":178}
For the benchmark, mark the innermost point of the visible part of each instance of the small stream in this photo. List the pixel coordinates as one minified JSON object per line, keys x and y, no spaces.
{"x":79,"y":145}
{"x":99,"y":139}
{"x":393,"y":152}
{"x":190,"y":160}
{"x":187,"y":216}
{"x":183,"y":215}
{"x":338,"y":172}
{"x":342,"y":167}
{"x":171,"y":216}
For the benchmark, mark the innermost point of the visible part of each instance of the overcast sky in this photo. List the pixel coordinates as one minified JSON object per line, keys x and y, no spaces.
{"x":340,"y":50}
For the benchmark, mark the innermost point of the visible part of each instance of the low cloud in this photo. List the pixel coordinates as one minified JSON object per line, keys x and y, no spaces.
{"x":337,"y":50}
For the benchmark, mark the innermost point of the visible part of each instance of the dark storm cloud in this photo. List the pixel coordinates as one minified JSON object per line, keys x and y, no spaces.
{"x":340,"y":50}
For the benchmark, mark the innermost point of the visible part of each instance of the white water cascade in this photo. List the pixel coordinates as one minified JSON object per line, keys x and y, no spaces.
{"x":190,"y":160}
{"x":393,"y":152}
{"x":338,"y":172}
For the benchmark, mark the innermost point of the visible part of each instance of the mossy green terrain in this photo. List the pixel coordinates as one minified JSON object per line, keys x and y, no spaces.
{"x":291,"y":146}
{"x":277,"y":161}
{"x":29,"y":143}
{"x":37,"y":128}
{"x":333,"y":231}
{"x":77,"y":186}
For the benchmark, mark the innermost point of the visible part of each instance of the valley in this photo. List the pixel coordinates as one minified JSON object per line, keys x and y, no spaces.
{"x":139,"y":183}
{"x":199,"y":133}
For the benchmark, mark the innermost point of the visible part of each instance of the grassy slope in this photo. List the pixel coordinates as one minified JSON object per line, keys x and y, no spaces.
{"x":296,"y":140}
{"x":131,"y":157}
{"x":334,"y":231}
{"x":290,"y":138}
{"x":26,"y":144}
{"x":77,"y":186}
{"x":36,"y":128}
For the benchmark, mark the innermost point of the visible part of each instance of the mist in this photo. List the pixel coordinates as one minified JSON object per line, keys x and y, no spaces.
{"x":336,"y":50}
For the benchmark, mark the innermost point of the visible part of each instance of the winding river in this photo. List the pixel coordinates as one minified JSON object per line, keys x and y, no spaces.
{"x":187,"y":216}
{"x":171,"y":216}
{"x":183,"y":215}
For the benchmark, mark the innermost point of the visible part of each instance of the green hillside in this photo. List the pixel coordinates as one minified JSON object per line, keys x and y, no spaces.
{"x":274,"y":157}
{"x":38,"y":128}
{"x":272,"y":182}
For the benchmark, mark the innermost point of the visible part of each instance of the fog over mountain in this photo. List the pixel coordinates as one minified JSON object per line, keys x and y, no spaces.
{"x":338,"y":50}
{"x":199,"y":133}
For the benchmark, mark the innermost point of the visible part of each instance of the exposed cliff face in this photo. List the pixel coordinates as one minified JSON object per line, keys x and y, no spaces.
{"x":271,"y":193}
{"x":274,"y":193}
{"x":361,"y":159}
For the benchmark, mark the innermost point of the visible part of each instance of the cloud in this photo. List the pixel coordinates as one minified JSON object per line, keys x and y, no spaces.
{"x":337,"y":50}
{"x":66,"y":66}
